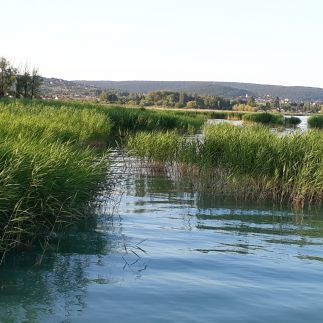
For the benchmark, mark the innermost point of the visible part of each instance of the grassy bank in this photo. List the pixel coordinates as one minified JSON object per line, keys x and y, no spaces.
{"x":283,"y":169}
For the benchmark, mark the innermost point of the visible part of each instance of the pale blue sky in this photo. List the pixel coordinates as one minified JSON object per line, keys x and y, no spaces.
{"x":261,"y":41}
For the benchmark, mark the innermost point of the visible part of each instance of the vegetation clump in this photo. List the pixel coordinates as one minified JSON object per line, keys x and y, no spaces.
{"x":284,"y":169}
{"x":292,"y":121}
{"x":264,"y":117}
{"x":271,"y":119}
{"x":132,"y":119}
{"x":316,"y":121}
{"x":48,"y":171}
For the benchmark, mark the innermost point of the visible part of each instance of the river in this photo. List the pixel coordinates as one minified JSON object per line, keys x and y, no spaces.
{"x":160,"y":252}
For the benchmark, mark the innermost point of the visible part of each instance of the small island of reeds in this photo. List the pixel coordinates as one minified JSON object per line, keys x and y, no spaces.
{"x":255,"y":163}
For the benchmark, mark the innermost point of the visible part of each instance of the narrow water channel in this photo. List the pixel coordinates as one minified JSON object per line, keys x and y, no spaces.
{"x":168,"y":254}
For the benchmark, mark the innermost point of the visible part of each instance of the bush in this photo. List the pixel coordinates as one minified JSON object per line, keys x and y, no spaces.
{"x":191,"y":105}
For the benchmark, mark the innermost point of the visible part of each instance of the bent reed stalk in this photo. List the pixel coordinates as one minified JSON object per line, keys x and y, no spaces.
{"x":259,"y":163}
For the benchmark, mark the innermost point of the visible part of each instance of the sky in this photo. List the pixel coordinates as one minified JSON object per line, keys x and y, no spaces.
{"x":256,"y":41}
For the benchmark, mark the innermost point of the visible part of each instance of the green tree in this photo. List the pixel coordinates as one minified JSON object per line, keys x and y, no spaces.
{"x":276,"y":103}
{"x":191,"y":104}
{"x":182,"y":98}
{"x":104,"y":96}
{"x":35,"y":83}
{"x":23,"y":82}
{"x":251,"y":101}
{"x":28,"y":85}
{"x":7,"y":76}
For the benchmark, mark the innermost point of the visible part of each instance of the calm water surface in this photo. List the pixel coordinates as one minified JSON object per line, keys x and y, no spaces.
{"x":302,"y":126}
{"x":172,"y":255}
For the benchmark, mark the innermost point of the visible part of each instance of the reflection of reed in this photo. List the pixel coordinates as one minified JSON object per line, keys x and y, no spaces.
{"x":216,"y":187}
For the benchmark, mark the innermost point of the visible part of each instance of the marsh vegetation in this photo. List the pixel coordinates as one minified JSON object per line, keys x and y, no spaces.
{"x":316,"y":121}
{"x":253,"y":160}
{"x":53,"y":160}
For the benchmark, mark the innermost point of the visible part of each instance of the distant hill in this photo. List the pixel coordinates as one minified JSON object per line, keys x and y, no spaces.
{"x":232,"y":90}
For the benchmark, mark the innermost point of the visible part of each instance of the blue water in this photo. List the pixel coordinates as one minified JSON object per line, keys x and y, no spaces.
{"x":172,"y":255}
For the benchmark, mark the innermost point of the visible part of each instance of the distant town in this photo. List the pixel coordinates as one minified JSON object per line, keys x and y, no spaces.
{"x":185,"y":95}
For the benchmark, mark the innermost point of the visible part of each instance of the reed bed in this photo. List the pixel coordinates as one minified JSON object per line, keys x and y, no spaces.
{"x":271,"y":119}
{"x":264,"y":117}
{"x":48,"y":171}
{"x":50,"y":164}
{"x":134,"y":119}
{"x":259,"y":163}
{"x":316,"y":122}
{"x":64,"y":124}
{"x":120,"y":119}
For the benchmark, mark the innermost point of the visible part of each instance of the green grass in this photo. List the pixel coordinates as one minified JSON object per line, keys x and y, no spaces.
{"x":120,"y":119}
{"x":315,"y":122}
{"x":285,"y":169}
{"x":48,"y":172}
{"x":64,"y":124}
{"x":134,"y":119}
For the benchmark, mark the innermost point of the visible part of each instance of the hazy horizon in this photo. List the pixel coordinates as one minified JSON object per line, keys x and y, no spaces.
{"x":263,"y":42}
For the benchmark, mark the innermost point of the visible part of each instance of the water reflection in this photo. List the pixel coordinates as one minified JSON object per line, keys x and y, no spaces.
{"x":159,"y":193}
{"x":302,"y":126}
{"x":30,"y":291}
{"x":171,"y":254}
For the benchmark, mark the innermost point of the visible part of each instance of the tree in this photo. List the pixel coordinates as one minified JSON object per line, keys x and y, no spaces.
{"x":191,"y":104}
{"x":104,"y":96}
{"x":27,"y":84}
{"x":35,"y":83}
{"x":276,"y":103}
{"x":23,"y":82}
{"x":7,"y":76}
{"x":251,"y":101}
{"x":182,"y":98}
{"x":267,"y":106}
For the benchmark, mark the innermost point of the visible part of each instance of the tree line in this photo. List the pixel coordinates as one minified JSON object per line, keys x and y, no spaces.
{"x":172,"y":99}
{"x":18,"y":83}
{"x":175,"y":99}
